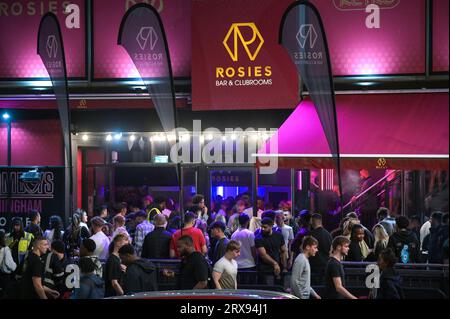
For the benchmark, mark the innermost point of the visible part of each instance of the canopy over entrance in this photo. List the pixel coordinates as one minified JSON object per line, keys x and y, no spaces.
{"x":386,"y":131}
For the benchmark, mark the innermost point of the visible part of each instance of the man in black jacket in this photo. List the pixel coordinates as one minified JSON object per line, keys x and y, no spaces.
{"x":319,"y":261}
{"x":219,"y":245}
{"x":141,"y":275}
{"x":157,"y":243}
{"x":390,"y":280}
{"x":34,"y":226}
{"x":438,"y":235}
{"x":404,"y":240}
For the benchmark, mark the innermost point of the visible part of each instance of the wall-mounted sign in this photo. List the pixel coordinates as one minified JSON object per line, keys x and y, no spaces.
{"x":237,"y":61}
{"x":231,"y":178}
{"x":46,"y":194}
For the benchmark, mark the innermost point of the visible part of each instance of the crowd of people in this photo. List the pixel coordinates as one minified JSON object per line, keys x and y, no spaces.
{"x":113,"y":251}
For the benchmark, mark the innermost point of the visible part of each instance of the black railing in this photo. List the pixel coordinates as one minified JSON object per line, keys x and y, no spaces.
{"x":418,"y":280}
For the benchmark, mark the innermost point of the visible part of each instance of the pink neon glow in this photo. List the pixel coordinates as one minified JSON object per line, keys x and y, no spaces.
{"x":299,"y":180}
{"x":372,"y":124}
{"x":321,"y":180}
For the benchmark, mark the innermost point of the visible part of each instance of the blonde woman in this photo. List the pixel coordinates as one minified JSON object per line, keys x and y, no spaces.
{"x":381,"y":239}
{"x":348,"y":225}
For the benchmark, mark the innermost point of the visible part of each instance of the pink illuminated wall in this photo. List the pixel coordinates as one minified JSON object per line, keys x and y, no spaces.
{"x":3,"y":144}
{"x":440,"y":35}
{"x":112,"y":61}
{"x":34,"y":143}
{"x":398,"y":47}
{"x":19,"y":23}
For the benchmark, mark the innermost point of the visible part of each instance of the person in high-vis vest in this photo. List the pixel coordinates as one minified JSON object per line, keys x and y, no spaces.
{"x":158,"y":207}
{"x":19,"y":241}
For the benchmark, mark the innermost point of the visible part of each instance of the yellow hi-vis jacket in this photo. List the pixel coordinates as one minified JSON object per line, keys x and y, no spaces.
{"x":24,"y":244}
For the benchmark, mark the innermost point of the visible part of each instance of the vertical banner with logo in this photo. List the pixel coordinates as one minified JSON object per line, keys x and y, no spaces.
{"x":142,"y":35}
{"x":51,"y":50}
{"x":302,"y":34}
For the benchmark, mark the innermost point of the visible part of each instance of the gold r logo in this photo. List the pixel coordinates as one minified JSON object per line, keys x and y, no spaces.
{"x":381,"y":163}
{"x":235,"y":33}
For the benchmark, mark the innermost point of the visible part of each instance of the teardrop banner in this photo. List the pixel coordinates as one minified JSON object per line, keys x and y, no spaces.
{"x":142,"y":35}
{"x":50,"y":48}
{"x":302,"y":34}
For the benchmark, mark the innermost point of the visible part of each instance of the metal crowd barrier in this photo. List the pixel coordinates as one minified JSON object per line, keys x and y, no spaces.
{"x":420,"y":281}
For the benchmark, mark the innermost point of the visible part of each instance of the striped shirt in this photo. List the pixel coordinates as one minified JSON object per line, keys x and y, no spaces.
{"x":141,"y":231}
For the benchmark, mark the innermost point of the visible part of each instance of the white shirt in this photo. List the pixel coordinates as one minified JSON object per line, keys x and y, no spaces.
{"x":7,"y":264}
{"x":120,"y":230}
{"x":249,"y":212}
{"x":228,"y":267}
{"x":288,"y":234}
{"x":49,"y":234}
{"x":84,"y":225}
{"x":102,"y":245}
{"x":247,"y":240}
{"x":166,"y":212}
{"x":424,"y":231}
{"x":255,"y":224}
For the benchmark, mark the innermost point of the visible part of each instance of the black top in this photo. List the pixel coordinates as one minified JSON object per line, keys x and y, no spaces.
{"x":218,"y":249}
{"x":34,"y":267}
{"x":390,"y":285}
{"x":354,"y":253}
{"x":112,"y":272}
{"x":194,"y":268}
{"x":319,"y":261}
{"x":157,"y":244}
{"x":272,"y":244}
{"x":55,"y":274}
{"x":405,"y":238}
{"x":334,"y":269}
{"x":141,"y":276}
{"x":34,"y":229}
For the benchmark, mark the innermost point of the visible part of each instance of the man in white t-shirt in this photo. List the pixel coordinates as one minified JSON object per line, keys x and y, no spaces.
{"x":287,"y":232}
{"x":233,"y":222}
{"x":226,"y":269}
{"x":100,"y":239}
{"x":246,"y":238}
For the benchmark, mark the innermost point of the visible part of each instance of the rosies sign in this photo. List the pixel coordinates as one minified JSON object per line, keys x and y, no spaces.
{"x":244,"y":41}
{"x":362,"y":4}
{"x":236,"y":60}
